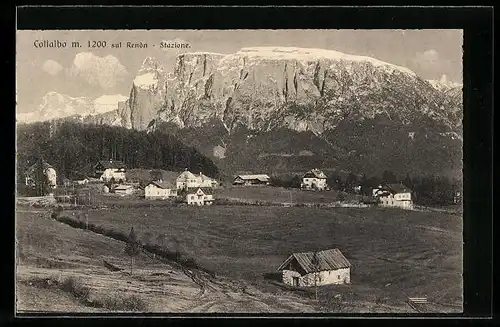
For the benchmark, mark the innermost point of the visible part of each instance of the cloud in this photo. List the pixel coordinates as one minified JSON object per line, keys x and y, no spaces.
{"x":100,"y":71}
{"x":429,"y":61}
{"x":52,"y":67}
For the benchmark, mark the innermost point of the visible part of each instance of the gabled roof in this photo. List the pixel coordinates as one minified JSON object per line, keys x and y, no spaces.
{"x":114,"y":164}
{"x":316,"y":173}
{"x":260,"y":177}
{"x":206,"y":190}
{"x":327,"y":260}
{"x":162,"y":184}
{"x":397,"y":188}
{"x":187,"y":175}
{"x":123,"y":187}
{"x":44,"y":163}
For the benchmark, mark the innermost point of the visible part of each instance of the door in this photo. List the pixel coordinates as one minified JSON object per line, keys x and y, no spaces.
{"x":295,"y":281}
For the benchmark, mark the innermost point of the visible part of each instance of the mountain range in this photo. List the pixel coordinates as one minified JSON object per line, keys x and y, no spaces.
{"x":284,"y":109}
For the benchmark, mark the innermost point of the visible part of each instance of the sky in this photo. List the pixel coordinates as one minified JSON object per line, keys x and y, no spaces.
{"x":93,"y":72}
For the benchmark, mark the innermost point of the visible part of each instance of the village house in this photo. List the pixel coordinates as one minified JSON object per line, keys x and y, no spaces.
{"x":314,"y":179}
{"x":247,"y":180}
{"x":189,"y":180}
{"x":124,"y":189}
{"x":159,"y":190}
{"x":110,"y":170}
{"x":200,"y":196}
{"x":303,"y":269}
{"x":48,"y":171}
{"x":394,"y":195}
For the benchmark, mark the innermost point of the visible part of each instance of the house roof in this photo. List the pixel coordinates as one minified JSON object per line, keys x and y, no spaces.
{"x":397,"y":188}
{"x":189,"y":175}
{"x":316,"y":173}
{"x":123,"y":187}
{"x":162,"y":184}
{"x":117,"y":164}
{"x":327,"y":260}
{"x":260,"y":177}
{"x":206,"y":190}
{"x":44,"y":163}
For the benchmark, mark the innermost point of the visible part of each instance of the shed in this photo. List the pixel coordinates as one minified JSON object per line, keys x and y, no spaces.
{"x":124,"y":189}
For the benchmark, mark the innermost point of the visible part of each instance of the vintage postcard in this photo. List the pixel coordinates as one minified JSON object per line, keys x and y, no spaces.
{"x":239,"y":171}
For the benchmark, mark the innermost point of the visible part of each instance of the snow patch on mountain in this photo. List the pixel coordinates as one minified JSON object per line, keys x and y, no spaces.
{"x":311,"y":54}
{"x":55,"y":106}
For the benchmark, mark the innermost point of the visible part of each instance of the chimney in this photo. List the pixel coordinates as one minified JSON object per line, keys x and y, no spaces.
{"x":200,"y":173}
{"x":185,"y":169}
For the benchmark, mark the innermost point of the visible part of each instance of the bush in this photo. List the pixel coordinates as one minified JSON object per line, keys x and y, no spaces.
{"x":118,"y":302}
{"x":76,"y":287}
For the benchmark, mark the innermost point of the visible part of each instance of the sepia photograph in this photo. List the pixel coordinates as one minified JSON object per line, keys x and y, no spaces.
{"x":239,"y":171}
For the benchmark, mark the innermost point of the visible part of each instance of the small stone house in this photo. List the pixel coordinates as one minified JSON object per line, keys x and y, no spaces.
{"x":160,"y":190}
{"x":320,"y":268}
{"x":200,"y":196}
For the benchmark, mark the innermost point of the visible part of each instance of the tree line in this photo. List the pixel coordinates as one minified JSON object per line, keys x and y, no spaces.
{"x":426,"y":190}
{"x":73,"y":148}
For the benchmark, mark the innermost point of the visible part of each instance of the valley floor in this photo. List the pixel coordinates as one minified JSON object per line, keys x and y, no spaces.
{"x":395,"y":255}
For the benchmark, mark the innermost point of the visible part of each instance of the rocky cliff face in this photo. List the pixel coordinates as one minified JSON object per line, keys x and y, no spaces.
{"x":266,"y":88}
{"x":275,"y":104}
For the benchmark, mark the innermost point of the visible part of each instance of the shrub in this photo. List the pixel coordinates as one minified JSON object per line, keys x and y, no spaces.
{"x":76,"y":287}
{"x":118,"y":302}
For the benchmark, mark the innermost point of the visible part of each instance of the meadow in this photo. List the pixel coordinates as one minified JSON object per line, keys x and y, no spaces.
{"x":283,"y":195}
{"x":395,"y":253}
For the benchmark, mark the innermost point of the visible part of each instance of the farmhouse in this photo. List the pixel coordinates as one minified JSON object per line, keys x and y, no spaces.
{"x":124,"y":189}
{"x":245,"y":180}
{"x":320,"y":268}
{"x":109,"y":170}
{"x":48,"y":171}
{"x":189,"y":180}
{"x":394,"y":195}
{"x":314,"y":179}
{"x":200,"y":196}
{"x":159,"y":190}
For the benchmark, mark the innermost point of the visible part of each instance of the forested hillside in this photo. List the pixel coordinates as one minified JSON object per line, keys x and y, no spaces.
{"x":73,"y":148}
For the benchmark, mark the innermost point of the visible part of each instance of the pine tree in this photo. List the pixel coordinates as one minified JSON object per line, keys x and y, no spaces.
{"x":132,"y":248}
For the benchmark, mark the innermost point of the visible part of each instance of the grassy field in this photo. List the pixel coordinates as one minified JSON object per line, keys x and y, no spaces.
{"x":282,"y":195}
{"x":395,"y":254}
{"x":50,"y":253}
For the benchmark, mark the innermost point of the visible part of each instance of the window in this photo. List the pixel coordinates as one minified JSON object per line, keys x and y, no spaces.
{"x":192,"y":197}
{"x":338,"y":276}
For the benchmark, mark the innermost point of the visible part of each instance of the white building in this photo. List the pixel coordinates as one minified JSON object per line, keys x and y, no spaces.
{"x":394,"y":195}
{"x":200,"y":196}
{"x":160,"y":190}
{"x":314,"y":179}
{"x":48,"y":171}
{"x":112,"y":169}
{"x":189,"y":180}
{"x":321,"y":268}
